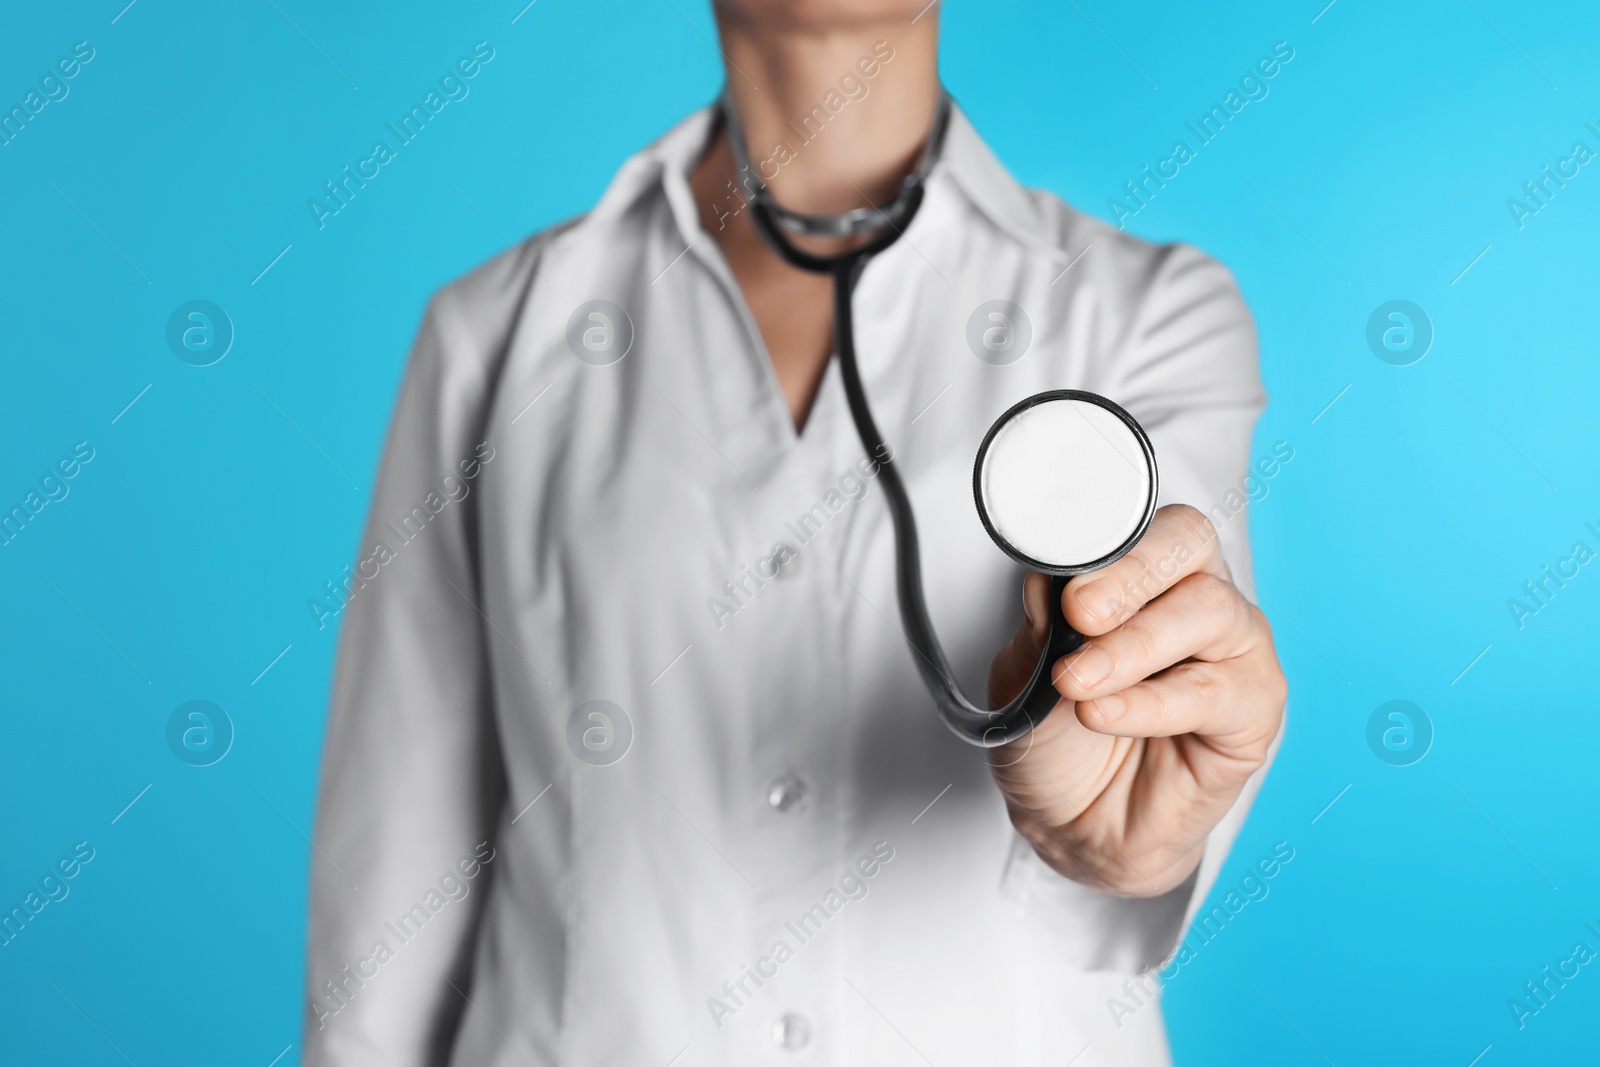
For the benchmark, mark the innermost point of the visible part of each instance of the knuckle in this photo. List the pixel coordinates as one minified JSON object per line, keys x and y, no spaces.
{"x":1138,"y":584}
{"x":1207,"y":685}
{"x":1143,"y":639}
{"x":1193,"y":525}
{"x":1278,"y":689}
{"x":1157,"y":706}
{"x":1218,"y":597}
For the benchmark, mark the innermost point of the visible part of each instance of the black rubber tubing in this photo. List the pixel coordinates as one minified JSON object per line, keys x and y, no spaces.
{"x":986,"y":728}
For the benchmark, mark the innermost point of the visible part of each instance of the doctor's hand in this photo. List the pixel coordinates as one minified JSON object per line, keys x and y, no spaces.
{"x":1166,"y":710}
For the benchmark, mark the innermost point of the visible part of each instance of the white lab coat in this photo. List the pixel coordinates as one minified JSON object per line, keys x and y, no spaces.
{"x":611,"y":531}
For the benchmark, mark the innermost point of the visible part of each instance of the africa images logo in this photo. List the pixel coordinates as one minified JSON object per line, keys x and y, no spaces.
{"x":853,"y":885}
{"x":1253,"y":86}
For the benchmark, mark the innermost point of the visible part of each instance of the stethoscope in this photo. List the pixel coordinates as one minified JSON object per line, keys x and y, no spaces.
{"x":1065,"y":481}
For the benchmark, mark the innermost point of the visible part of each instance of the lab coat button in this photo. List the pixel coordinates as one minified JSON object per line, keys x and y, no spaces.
{"x":787,"y":794}
{"x":791,"y":1032}
{"x":781,"y":562}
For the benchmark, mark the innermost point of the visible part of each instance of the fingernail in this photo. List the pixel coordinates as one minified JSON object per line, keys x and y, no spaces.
{"x":1090,"y":666}
{"x":1101,"y":599}
{"x":1110,"y":708}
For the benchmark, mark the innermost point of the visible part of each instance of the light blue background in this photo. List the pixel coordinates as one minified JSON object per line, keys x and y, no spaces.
{"x":1378,"y":168}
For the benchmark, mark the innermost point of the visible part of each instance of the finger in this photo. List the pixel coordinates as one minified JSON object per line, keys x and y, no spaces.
{"x":1181,"y":541}
{"x":1238,"y":701}
{"x":1203,"y":617}
{"x":1013,"y":664}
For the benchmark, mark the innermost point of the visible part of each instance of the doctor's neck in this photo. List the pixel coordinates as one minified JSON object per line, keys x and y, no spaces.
{"x":835,"y":96}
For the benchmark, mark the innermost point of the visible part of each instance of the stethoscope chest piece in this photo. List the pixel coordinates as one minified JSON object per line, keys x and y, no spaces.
{"x":1065,"y":482}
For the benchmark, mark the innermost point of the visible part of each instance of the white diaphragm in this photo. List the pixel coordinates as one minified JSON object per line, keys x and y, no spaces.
{"x":1066,"y":482}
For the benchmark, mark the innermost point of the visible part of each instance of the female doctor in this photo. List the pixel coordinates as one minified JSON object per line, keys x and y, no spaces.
{"x":628,"y":761}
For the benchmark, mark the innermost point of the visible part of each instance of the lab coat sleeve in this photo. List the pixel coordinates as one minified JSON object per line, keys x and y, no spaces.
{"x":411,"y":777}
{"x":1187,"y":369}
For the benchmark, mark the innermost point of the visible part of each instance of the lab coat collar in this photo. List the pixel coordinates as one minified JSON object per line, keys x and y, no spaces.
{"x":992,"y":189}
{"x":966,"y":162}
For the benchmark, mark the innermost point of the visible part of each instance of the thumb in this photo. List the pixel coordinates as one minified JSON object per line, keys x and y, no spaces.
{"x":1013,"y":664}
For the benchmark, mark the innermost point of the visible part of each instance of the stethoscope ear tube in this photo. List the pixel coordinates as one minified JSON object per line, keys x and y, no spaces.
{"x":979,"y":726}
{"x":983,"y":727}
